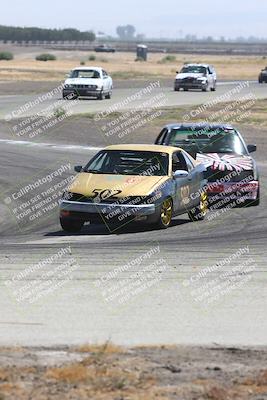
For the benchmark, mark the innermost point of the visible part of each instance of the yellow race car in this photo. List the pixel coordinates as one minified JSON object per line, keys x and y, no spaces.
{"x":125,"y":183}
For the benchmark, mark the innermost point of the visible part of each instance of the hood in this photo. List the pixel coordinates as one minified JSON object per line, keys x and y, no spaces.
{"x":126,"y":185}
{"x":189,"y":75}
{"x":226,"y":162}
{"x":83,"y":81}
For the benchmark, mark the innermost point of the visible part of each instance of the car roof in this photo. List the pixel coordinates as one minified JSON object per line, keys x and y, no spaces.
{"x":192,"y":126}
{"x":87,"y":68}
{"x":144,"y":147}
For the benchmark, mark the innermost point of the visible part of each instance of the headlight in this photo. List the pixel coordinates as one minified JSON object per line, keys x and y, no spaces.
{"x":153,"y":197}
{"x":204,"y":80}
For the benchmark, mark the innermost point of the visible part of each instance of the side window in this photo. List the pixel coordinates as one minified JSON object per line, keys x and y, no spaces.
{"x":105,"y":74}
{"x":162,"y":136}
{"x":178,"y":162}
{"x":209,"y":71}
{"x":189,"y":163}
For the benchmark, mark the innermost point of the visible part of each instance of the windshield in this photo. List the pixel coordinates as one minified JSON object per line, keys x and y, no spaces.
{"x":127,"y":162}
{"x":196,"y":69}
{"x":207,"y":141}
{"x":88,"y":73}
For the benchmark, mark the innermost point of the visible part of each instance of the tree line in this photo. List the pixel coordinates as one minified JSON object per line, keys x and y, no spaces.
{"x":18,"y":34}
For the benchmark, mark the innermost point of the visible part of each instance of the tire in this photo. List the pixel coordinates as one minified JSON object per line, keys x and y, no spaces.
{"x":213,"y":89}
{"x":205,"y":88}
{"x":176,"y":89}
{"x":71,"y":225}
{"x":100,"y":96}
{"x":165,"y":214}
{"x":199,"y":213}
{"x":185,"y":90}
{"x":253,"y":203}
{"x":108,"y":96}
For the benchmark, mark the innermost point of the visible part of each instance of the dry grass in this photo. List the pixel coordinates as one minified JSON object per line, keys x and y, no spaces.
{"x":107,"y":374}
{"x":107,"y":348}
{"x":123,"y":65}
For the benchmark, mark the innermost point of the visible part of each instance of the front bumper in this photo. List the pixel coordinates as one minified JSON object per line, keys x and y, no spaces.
{"x":235,"y":190}
{"x":180,"y":84}
{"x":85,"y":92}
{"x":107,"y":211}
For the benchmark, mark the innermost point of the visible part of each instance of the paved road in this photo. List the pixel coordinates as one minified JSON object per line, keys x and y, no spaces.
{"x":81,"y":301}
{"x":13,"y":106}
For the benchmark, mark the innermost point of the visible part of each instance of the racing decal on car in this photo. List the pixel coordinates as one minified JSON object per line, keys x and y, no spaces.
{"x":105,"y":194}
{"x":226,"y":162}
{"x":185,"y":193}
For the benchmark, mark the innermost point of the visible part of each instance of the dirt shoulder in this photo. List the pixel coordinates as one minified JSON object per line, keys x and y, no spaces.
{"x":111,"y":373}
{"x":121,"y":65}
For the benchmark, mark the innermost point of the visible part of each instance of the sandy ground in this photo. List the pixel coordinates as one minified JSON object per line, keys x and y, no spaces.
{"x":121,"y":65}
{"x":145,"y":373}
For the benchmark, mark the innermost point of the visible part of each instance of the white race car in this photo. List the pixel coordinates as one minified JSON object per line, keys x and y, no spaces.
{"x":88,"y":82}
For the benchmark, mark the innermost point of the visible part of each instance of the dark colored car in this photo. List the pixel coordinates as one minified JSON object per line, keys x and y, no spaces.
{"x":263,"y":76}
{"x":103,"y":48}
{"x":231,"y":172}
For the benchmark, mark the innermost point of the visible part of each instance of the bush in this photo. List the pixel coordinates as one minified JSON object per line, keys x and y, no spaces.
{"x":92,"y":57}
{"x":60,"y":112}
{"x":167,"y":59}
{"x":82,"y":63}
{"x":139,"y":59}
{"x":103,"y":60}
{"x":6,"y":55}
{"x":46,"y":57}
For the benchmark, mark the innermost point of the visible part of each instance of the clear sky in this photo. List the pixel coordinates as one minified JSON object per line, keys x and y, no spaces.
{"x":165,"y":18}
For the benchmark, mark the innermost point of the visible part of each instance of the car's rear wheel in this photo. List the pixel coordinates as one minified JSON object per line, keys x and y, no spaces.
{"x":198,"y":213}
{"x":71,"y":225}
{"x":253,"y":203}
{"x":165,"y":214}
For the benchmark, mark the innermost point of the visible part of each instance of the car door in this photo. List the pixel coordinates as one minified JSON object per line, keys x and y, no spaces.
{"x":183,"y":185}
{"x":194,"y":177}
{"x":211,"y":78}
{"x":106,"y":81}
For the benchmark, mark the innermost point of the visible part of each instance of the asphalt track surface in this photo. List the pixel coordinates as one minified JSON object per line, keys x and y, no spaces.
{"x":167,"y":311}
{"x":10,"y":105}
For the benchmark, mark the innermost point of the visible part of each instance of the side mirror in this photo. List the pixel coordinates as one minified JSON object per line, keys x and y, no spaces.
{"x":78,"y":168}
{"x":252,"y":148}
{"x":180,"y":173}
{"x":177,"y":72}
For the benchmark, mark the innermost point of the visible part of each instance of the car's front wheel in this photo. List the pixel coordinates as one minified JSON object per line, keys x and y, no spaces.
{"x":213,"y":89}
{"x":108,"y":96}
{"x":165,"y":214}
{"x":199,"y":212}
{"x":71,"y":225}
{"x":100,"y":95}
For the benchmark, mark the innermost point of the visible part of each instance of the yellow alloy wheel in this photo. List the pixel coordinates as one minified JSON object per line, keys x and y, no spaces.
{"x":166,"y":212}
{"x":203,"y":206}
